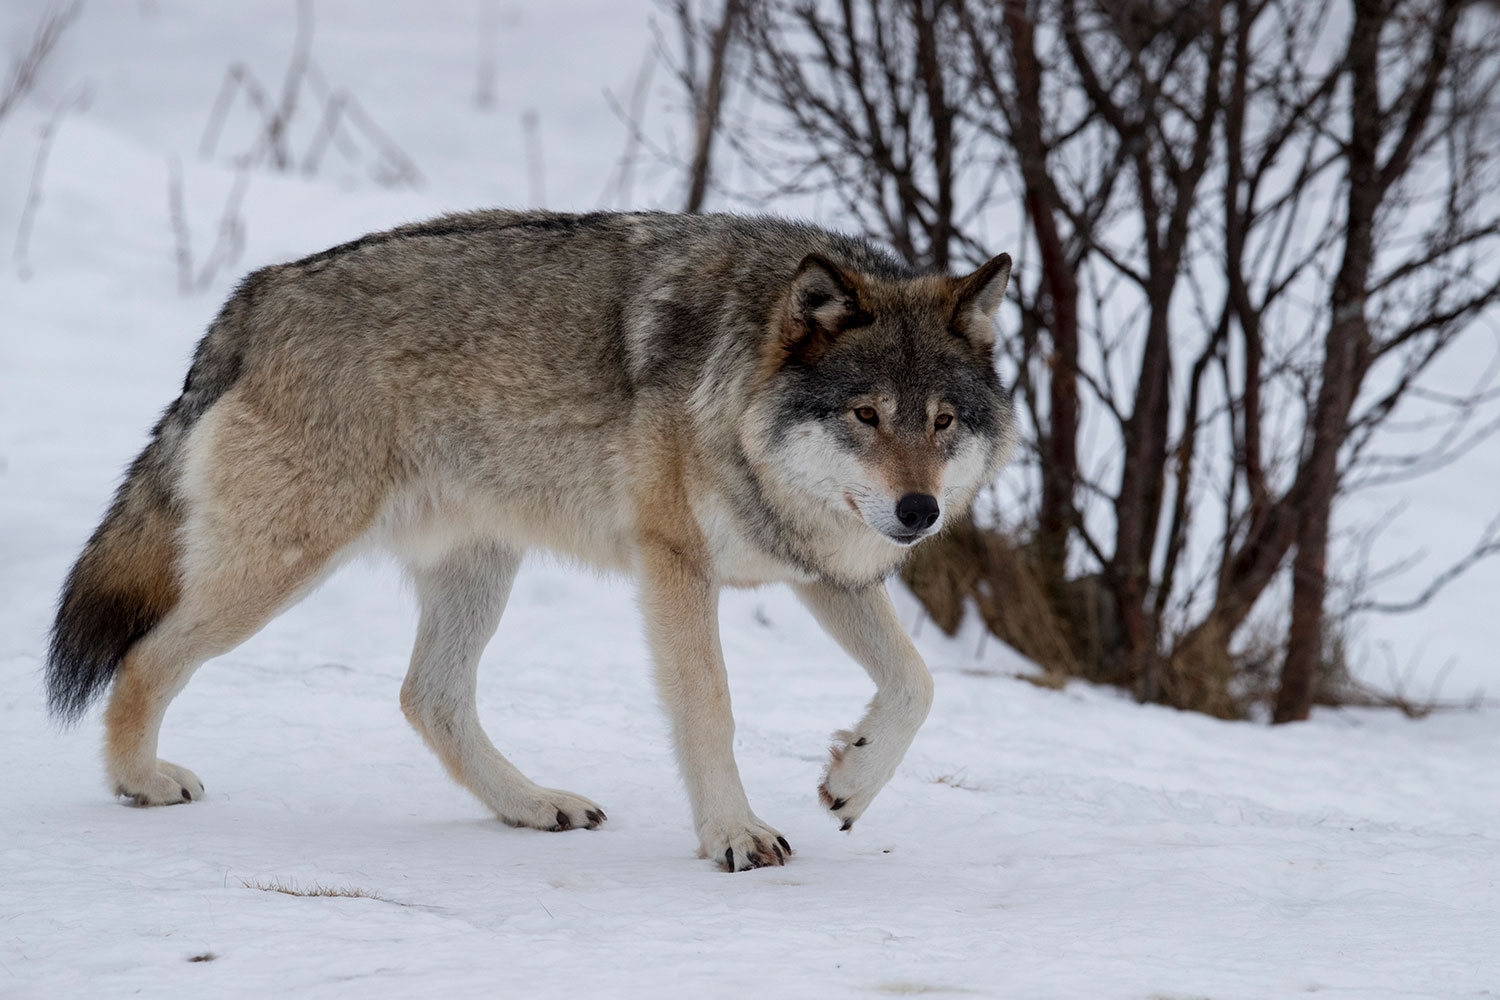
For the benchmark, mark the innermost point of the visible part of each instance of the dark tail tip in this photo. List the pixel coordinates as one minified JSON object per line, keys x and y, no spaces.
{"x":121,"y":586}
{"x":124,"y":581}
{"x":93,"y":631}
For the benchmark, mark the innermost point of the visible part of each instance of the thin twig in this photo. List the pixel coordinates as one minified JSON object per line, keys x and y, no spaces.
{"x":79,"y":101}
{"x":536,"y":180}
{"x":25,"y":67}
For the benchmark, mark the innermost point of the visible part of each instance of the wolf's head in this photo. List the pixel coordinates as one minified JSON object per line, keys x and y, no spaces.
{"x":879,"y":397}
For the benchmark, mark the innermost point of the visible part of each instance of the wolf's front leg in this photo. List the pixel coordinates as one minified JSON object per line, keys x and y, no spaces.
{"x":681,"y":611}
{"x":864,"y":758}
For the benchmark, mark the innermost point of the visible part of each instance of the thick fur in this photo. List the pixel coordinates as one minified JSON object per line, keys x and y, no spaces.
{"x":702,"y":401}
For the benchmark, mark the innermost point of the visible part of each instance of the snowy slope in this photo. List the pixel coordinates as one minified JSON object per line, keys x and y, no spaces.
{"x":1035,"y":843}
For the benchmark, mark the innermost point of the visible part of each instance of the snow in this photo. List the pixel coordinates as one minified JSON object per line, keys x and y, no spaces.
{"x":1035,"y":843}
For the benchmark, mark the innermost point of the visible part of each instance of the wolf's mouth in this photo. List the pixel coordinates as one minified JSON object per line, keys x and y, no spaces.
{"x":911,"y":539}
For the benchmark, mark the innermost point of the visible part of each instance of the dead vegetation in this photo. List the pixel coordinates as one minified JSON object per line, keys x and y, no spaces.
{"x":292,"y":131}
{"x":342,"y":123}
{"x":26,"y":65}
{"x":291,"y":888}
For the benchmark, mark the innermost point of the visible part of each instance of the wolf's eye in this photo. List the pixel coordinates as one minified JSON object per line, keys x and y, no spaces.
{"x":867,"y":415}
{"x":943,"y":420}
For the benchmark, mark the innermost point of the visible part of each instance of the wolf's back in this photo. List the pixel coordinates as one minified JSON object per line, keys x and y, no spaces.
{"x":125,"y":580}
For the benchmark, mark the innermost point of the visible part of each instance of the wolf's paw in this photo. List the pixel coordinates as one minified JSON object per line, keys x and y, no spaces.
{"x":740,"y":845}
{"x":167,"y":786}
{"x":858,"y":769}
{"x":553,"y":810}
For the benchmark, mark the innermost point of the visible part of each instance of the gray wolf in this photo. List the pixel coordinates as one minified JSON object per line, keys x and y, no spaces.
{"x":701,"y":401}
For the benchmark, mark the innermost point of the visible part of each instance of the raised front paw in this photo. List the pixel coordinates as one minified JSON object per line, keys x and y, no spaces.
{"x":857,"y":770}
{"x":740,"y":845}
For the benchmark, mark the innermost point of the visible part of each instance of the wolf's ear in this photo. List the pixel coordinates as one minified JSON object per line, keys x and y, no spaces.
{"x":823,"y":303}
{"x":979,"y":297}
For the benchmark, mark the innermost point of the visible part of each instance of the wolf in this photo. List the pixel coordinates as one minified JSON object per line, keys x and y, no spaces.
{"x":702,"y":401}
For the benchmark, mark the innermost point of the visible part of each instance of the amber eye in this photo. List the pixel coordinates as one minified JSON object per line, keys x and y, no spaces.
{"x":943,"y":421}
{"x":867,"y":415}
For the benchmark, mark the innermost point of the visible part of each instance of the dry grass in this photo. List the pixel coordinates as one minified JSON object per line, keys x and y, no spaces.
{"x":1202,"y":674}
{"x":1048,"y":681}
{"x":1070,"y":629}
{"x":969,"y":563}
{"x":956,"y":780}
{"x":293,"y":889}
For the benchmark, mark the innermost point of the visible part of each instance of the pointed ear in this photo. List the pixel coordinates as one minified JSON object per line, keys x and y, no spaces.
{"x":822,"y":303}
{"x":979,"y":297}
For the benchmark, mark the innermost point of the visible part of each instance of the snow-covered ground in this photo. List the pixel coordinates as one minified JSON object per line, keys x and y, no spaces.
{"x":1035,"y":843}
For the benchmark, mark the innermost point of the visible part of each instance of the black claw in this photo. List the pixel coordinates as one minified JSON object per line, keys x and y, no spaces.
{"x":861,"y":742}
{"x":838,"y":804}
{"x":729,"y":858}
{"x":187,"y":796}
{"x":784,"y":844}
{"x":563,"y":823}
{"x":595,"y":817}
{"x":779,"y":856}
{"x":847,"y":824}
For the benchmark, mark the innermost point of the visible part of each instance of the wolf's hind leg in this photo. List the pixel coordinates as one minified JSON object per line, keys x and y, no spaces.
{"x":221,"y":607}
{"x":462,"y":598}
{"x":864,"y":622}
{"x":269,"y":507}
{"x":154,"y":671}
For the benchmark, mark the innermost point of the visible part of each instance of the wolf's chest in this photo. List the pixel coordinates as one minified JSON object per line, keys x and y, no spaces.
{"x":738,"y":560}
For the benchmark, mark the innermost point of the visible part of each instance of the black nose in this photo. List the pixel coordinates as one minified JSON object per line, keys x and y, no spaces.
{"x":918,"y":511}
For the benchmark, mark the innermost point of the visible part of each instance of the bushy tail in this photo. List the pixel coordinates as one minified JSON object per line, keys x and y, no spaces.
{"x":122,"y":585}
{"x":126,"y":580}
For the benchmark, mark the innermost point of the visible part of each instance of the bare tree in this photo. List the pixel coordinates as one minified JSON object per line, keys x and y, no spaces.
{"x":26,"y":66}
{"x":343,"y":122}
{"x":1249,"y":229}
{"x":706,"y":52}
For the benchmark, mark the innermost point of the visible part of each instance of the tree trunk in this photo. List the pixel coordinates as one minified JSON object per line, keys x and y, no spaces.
{"x":1060,"y":295}
{"x":708,"y":108}
{"x":1345,"y":358}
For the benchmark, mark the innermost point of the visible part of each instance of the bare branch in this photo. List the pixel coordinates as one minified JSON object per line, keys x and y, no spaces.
{"x":28,"y":63}
{"x":78,"y":101}
{"x":1487,"y":546}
